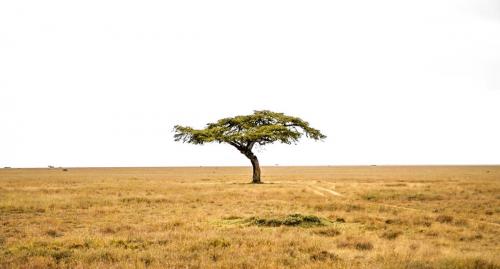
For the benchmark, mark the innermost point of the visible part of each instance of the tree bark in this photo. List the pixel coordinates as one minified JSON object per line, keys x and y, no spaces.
{"x":256,"y":169}
{"x":247,"y":151}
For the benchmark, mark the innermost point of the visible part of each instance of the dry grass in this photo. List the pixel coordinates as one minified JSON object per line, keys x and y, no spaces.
{"x":351,"y":217}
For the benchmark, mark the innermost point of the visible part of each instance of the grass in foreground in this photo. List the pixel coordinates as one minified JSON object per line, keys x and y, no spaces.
{"x":306,"y":217}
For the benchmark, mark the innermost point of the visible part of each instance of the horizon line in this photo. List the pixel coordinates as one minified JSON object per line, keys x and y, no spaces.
{"x":241,"y":166}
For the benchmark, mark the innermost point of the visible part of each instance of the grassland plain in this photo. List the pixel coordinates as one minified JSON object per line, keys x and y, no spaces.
{"x":419,"y":217}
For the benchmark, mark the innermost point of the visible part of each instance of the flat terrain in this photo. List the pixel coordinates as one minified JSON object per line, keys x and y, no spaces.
{"x":303,"y":217}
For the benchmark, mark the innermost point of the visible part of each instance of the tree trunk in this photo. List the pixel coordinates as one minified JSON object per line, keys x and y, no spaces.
{"x":247,"y":151}
{"x":256,"y":169}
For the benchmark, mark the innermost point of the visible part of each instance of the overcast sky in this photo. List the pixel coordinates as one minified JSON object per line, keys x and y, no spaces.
{"x":102,"y":83}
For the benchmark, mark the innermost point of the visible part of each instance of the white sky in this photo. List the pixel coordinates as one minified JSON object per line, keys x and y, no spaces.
{"x":101,"y":83}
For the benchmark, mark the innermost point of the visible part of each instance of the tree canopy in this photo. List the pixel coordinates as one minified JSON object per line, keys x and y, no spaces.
{"x":262,"y":127}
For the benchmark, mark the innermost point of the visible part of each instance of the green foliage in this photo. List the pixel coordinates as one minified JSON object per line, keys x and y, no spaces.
{"x":261,"y":127}
{"x":290,"y":220}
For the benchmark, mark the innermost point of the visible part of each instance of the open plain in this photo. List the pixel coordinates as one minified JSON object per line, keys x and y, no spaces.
{"x":415,"y":217}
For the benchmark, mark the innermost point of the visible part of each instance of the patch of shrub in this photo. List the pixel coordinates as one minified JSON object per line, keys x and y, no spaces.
{"x":266,"y":222}
{"x":290,"y":220}
{"x":298,"y":219}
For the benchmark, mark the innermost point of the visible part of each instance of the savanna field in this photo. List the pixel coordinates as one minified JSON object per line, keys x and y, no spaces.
{"x":420,"y":217}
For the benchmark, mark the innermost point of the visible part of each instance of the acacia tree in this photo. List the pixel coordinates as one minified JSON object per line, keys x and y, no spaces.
{"x":244,"y":132}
